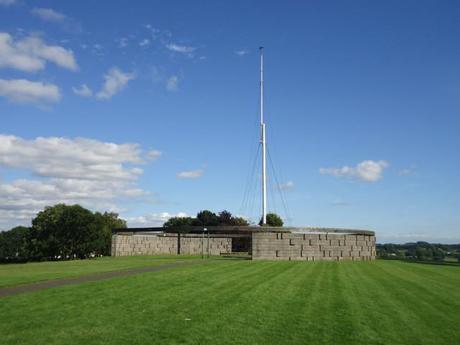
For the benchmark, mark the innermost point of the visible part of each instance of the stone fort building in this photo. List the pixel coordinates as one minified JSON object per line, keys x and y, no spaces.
{"x":261,"y":243}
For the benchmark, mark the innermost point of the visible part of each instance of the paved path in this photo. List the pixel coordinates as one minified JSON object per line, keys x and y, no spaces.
{"x":15,"y":290}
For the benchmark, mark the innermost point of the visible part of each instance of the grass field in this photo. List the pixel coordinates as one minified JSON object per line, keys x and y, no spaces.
{"x":15,"y":274}
{"x":246,"y":302}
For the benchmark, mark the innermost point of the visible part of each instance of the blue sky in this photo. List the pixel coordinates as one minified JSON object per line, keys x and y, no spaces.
{"x":151,"y":111}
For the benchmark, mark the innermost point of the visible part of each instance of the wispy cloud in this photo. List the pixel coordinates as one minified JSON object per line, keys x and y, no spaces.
{"x":115,"y":81}
{"x":26,"y":91}
{"x":287,"y":185}
{"x":153,"y":154}
{"x":31,"y":54}
{"x":368,"y":171}
{"x":145,"y":42}
{"x":241,"y":52}
{"x":83,"y":91}
{"x":49,"y":15}
{"x":123,"y":42}
{"x":180,"y":48}
{"x":191,"y":174}
{"x":7,"y":2}
{"x":172,"y":83}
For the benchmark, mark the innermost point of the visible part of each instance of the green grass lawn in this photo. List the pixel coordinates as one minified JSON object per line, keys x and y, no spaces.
{"x":246,"y":302}
{"x":15,"y":274}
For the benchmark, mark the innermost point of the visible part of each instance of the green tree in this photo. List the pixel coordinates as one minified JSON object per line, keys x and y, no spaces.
{"x":225,"y":218}
{"x":107,"y":221}
{"x":63,"y":231}
{"x":239,"y":221}
{"x":272,"y":220}
{"x":207,"y":217}
{"x":178,"y":222}
{"x":14,"y":244}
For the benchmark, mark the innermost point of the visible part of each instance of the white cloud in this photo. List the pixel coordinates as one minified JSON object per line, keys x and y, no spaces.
{"x":83,"y":91}
{"x":123,"y":42}
{"x":31,"y":54}
{"x":287,"y":185}
{"x":153,"y":154}
{"x":21,"y":199}
{"x":241,"y":52}
{"x":7,"y":2}
{"x":85,"y":171}
{"x":78,"y":158}
{"x":115,"y":81}
{"x":180,"y":48}
{"x":172,"y":83}
{"x":49,"y":15}
{"x":190,"y":174}
{"x":152,"y":219}
{"x":369,"y":171}
{"x":144,"y":42}
{"x":26,"y":91}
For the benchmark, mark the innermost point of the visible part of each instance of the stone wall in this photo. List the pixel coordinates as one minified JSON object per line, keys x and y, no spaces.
{"x":126,"y":244}
{"x":312,"y":246}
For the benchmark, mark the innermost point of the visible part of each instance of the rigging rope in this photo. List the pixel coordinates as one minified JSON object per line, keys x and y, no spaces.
{"x":283,"y":200}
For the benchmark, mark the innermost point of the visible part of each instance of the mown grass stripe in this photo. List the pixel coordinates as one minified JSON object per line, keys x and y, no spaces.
{"x":244,"y":302}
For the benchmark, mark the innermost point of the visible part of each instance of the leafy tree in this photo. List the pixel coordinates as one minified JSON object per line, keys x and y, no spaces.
{"x":14,"y":244}
{"x":225,"y":218}
{"x":63,"y":231}
{"x":107,"y":221}
{"x":207,"y":217}
{"x":178,"y":222}
{"x":239,"y":221}
{"x":272,"y":220}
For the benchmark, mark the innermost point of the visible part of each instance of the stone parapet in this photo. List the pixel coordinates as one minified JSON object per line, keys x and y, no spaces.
{"x":333,"y":246}
{"x":128,"y":244}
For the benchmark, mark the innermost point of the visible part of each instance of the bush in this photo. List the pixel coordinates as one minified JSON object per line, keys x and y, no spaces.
{"x":272,"y":220}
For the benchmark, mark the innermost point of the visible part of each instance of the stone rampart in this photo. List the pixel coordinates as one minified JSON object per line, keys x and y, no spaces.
{"x":126,"y":244}
{"x":335,"y":246}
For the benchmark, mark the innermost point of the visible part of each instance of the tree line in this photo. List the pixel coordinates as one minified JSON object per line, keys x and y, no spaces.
{"x":60,"y":232}
{"x":223,"y":218}
{"x":420,"y":251}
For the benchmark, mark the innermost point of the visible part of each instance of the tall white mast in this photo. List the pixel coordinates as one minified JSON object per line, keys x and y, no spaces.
{"x":262,"y":139}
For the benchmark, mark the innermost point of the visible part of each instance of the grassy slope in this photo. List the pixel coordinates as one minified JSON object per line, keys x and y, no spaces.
{"x":15,"y":274}
{"x":245,"y":302}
